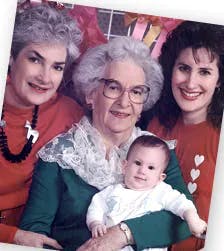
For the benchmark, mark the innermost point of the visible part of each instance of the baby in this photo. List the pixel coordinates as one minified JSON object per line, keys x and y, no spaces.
{"x":143,"y":191}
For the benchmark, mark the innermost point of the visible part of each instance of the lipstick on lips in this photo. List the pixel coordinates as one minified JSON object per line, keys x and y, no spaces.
{"x":37,"y":88}
{"x":189,"y":95}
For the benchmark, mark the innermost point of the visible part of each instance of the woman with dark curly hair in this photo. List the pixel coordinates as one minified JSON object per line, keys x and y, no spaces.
{"x":191,"y":106}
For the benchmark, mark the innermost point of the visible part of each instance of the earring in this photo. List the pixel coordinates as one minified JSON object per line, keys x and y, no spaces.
{"x":218,"y":89}
{"x":89,"y":106}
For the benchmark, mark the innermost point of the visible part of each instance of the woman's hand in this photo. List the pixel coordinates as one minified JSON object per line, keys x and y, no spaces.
{"x":27,"y":238}
{"x":114,"y":239}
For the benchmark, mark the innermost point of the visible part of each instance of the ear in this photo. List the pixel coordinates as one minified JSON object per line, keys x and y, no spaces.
{"x":218,"y":84}
{"x":90,"y":98}
{"x":124,"y":165}
{"x":162,"y":176}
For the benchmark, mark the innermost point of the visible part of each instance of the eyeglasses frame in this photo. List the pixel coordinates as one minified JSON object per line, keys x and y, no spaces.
{"x":105,"y":81}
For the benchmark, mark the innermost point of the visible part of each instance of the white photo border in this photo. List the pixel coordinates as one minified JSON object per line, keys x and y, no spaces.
{"x":195,"y":10}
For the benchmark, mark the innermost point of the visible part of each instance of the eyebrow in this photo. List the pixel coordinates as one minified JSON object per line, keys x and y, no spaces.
{"x":42,"y":58}
{"x":182,"y":63}
{"x":206,"y":68}
{"x":201,"y":68}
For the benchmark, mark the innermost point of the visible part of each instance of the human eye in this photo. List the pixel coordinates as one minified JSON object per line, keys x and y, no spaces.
{"x":34,"y":59}
{"x":151,"y":167}
{"x":137,"y":91}
{"x":58,"y":67}
{"x":204,"y":72}
{"x":184,"y":68}
{"x":113,"y":86}
{"x":137,"y":163}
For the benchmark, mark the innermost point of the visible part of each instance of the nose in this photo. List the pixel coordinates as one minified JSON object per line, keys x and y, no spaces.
{"x":124,"y":100}
{"x":44,"y":76}
{"x":141,"y":169}
{"x":192,"y":80}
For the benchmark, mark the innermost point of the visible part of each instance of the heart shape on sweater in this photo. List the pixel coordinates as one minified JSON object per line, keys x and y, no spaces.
{"x":198,"y":159}
{"x":195,"y":173}
{"x":192,"y":187}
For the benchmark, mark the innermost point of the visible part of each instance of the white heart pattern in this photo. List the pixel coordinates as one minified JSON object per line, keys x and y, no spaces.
{"x":192,"y":187}
{"x":195,"y":174}
{"x":198,"y":159}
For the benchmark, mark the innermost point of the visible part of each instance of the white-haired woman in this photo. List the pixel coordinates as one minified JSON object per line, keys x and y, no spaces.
{"x":45,"y":42}
{"x":115,"y":82}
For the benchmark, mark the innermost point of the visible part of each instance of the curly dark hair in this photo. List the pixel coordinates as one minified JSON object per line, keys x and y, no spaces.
{"x":193,"y":35}
{"x":150,"y":141}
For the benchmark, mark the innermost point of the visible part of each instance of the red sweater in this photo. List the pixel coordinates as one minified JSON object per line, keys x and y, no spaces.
{"x":54,"y":117}
{"x":196,"y":150}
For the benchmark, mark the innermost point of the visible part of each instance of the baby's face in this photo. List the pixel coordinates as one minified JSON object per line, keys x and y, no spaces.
{"x":144,"y":168}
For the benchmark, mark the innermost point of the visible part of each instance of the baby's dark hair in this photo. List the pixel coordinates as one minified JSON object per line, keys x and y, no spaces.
{"x":150,"y":141}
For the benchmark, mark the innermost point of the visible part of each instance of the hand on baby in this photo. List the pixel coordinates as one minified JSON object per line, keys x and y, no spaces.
{"x":98,"y":229}
{"x":198,"y":227}
{"x":196,"y":224}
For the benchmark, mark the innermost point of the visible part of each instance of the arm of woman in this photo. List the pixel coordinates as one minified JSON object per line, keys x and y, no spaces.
{"x":43,"y":199}
{"x":162,"y":228}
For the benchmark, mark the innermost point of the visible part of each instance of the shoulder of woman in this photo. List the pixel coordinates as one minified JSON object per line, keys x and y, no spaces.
{"x":69,"y":105}
{"x":55,"y":148}
{"x":65,"y":100}
{"x":154,"y":126}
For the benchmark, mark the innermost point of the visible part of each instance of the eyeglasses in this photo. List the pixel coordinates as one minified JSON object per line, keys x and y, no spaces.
{"x":113,"y":90}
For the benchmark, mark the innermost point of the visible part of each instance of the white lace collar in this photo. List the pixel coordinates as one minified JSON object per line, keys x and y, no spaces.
{"x":82,"y":149}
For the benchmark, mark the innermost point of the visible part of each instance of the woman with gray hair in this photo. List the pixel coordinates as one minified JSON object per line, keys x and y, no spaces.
{"x":115,"y":82}
{"x":94,"y":63}
{"x":45,"y":42}
{"x":43,"y":24}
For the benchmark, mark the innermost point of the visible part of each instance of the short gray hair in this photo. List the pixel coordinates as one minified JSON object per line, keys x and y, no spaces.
{"x":93,"y":64}
{"x":42,"y":23}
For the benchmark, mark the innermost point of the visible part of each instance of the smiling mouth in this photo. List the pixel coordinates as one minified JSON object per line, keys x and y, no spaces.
{"x":120,"y":114}
{"x":37,"y":88}
{"x":190,"y":95}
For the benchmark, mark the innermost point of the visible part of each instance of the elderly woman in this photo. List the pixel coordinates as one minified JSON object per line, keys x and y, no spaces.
{"x":45,"y":42}
{"x":115,"y":82}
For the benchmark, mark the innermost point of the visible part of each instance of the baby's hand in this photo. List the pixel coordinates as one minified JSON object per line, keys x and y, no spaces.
{"x":98,"y":230}
{"x":198,"y":227}
{"x":196,"y":224}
